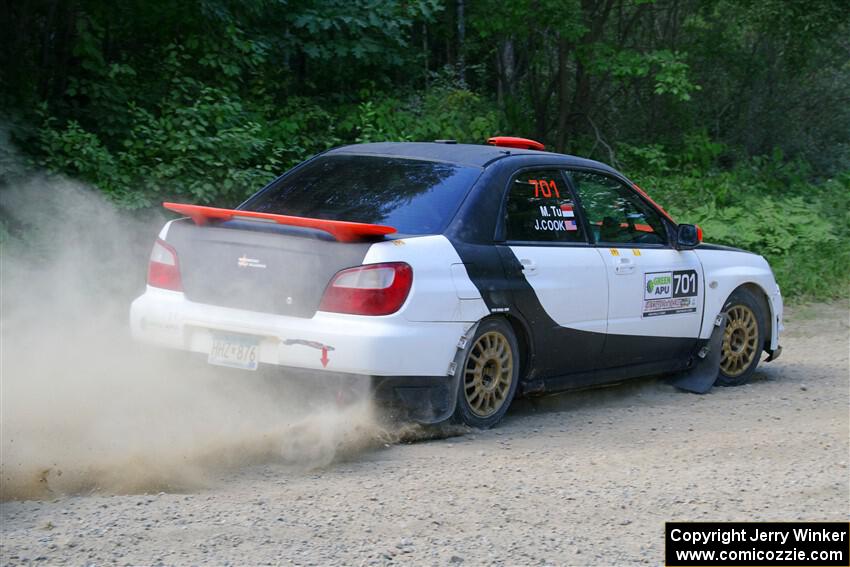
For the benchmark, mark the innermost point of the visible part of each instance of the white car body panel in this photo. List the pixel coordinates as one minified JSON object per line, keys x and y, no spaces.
{"x":627,"y":269}
{"x":419,"y":340}
{"x":381,"y":346}
{"x":438,"y":283}
{"x":163,"y":232}
{"x":726,"y":270}
{"x":570,"y":282}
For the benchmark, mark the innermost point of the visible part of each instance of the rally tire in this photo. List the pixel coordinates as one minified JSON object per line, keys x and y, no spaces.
{"x":743,"y":338}
{"x":489,"y":375}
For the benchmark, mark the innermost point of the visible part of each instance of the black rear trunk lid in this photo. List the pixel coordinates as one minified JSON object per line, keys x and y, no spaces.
{"x":259,"y":267}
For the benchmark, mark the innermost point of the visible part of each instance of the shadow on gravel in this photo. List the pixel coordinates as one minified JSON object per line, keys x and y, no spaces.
{"x":648,"y":390}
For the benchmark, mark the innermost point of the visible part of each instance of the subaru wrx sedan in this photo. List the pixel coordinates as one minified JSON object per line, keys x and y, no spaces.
{"x":453,"y":278}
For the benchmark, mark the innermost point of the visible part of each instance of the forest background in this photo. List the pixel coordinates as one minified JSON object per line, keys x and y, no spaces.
{"x":734,"y":114}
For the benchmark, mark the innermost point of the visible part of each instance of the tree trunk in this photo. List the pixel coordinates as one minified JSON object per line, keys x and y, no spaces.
{"x":461,"y":37}
{"x":506,"y":70}
{"x":425,"y":52}
{"x":563,"y":96}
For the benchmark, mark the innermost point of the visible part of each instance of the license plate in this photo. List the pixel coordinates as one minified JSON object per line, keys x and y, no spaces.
{"x":235,"y":351}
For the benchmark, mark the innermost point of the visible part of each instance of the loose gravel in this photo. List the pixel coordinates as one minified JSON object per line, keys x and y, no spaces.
{"x":585,"y":478}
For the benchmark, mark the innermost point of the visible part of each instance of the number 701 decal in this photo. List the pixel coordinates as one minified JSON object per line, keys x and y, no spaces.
{"x":545,"y":187}
{"x":684,"y":283}
{"x":669,"y":293}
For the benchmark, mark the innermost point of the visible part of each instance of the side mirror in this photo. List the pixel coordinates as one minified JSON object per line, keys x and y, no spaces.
{"x":688,"y":236}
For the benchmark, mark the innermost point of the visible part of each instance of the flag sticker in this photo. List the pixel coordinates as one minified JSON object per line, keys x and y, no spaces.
{"x":557,"y":217}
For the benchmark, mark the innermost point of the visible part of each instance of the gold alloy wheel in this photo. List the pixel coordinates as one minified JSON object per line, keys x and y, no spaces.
{"x":739,"y":341}
{"x":488,"y":374}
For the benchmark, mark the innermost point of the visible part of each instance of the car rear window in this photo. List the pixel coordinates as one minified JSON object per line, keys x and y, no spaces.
{"x":414,"y":196}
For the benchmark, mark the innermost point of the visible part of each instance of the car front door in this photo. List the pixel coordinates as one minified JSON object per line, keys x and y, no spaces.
{"x":655,"y":292}
{"x":560,"y":285}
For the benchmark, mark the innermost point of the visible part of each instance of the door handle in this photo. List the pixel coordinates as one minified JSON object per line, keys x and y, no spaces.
{"x":625,"y":265}
{"x":529,"y":267}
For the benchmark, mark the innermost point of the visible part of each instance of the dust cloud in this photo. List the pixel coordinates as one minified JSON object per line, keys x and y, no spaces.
{"x":85,"y":408}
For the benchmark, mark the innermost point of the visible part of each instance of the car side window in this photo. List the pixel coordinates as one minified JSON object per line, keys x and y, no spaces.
{"x":616,"y":214}
{"x":540,"y":209}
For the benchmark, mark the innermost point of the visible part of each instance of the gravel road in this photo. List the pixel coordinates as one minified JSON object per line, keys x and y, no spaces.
{"x":585,"y":478}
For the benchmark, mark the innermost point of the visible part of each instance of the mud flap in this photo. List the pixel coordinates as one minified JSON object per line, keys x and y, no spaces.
{"x":703,"y":375}
{"x":456,"y":372}
{"x":433,"y":406}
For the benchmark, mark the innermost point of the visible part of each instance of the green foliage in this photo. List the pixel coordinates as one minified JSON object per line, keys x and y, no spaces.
{"x":500,"y":19}
{"x":443,"y":113}
{"x":359,"y":30}
{"x":699,"y":151}
{"x":202,"y":144}
{"x":766,"y":207}
{"x":772,"y":226}
{"x":207,"y":145}
{"x":668,"y":69}
{"x":731,"y":113}
{"x":672,"y":76}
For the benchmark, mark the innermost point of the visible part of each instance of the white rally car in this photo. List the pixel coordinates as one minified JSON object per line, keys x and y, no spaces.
{"x":455,"y":277}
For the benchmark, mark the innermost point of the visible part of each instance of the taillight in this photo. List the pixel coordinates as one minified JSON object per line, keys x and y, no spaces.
{"x":374,"y":289}
{"x":163,"y":269}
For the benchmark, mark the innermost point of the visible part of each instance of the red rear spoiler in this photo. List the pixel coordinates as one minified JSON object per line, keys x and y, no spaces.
{"x":343,"y":231}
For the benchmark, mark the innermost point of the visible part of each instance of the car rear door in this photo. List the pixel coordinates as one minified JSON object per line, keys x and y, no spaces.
{"x":560,"y":285}
{"x":655,"y":292}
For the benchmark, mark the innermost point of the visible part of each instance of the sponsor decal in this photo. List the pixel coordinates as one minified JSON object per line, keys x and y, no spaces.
{"x":670,"y":293}
{"x":245,"y":262}
{"x":658,"y":285}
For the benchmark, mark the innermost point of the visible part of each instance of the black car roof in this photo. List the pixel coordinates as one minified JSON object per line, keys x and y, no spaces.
{"x":477,"y":155}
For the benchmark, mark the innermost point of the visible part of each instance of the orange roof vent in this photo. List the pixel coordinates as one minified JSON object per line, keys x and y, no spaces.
{"x":514,"y":142}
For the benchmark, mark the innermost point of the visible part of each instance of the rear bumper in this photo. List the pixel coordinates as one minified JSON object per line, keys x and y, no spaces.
{"x":423,"y":399}
{"x":389,"y":346}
